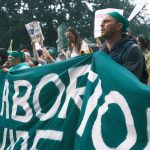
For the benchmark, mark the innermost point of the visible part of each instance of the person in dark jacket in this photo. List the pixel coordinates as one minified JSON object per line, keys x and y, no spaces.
{"x":121,"y":47}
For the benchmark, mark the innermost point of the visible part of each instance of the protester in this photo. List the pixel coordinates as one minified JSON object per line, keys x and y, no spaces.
{"x":3,"y":56}
{"x":45,"y":57}
{"x":122,"y":48}
{"x":143,"y":44}
{"x":28,"y":58}
{"x":76,"y":46}
{"x":16,"y":61}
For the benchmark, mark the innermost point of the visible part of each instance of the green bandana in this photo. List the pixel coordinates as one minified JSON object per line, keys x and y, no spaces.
{"x":120,"y":19}
{"x":17,"y":54}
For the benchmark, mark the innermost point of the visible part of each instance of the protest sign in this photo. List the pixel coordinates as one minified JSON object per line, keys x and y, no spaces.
{"x":34,"y":30}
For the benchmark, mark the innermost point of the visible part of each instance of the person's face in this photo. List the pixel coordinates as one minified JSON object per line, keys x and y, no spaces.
{"x":70,"y":37}
{"x":109,"y":27}
{"x":12,"y":61}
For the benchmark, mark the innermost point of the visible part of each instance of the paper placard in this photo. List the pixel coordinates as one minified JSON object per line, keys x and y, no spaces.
{"x":34,"y":30}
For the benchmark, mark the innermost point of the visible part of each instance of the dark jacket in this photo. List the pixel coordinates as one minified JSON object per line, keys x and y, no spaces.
{"x":128,"y":54}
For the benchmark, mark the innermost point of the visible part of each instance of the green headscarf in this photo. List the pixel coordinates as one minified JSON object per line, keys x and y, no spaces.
{"x":18,"y":54}
{"x":120,"y":19}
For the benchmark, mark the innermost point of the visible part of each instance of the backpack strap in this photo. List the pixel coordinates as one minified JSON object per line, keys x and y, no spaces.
{"x":129,"y":45}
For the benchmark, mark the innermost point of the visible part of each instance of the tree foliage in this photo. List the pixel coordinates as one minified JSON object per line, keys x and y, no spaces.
{"x":15,"y":14}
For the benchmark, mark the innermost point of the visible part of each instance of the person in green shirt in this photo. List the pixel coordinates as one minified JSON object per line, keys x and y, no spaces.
{"x":16,"y":61}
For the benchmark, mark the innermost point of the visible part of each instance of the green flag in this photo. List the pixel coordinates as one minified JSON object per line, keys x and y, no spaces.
{"x":88,"y":102}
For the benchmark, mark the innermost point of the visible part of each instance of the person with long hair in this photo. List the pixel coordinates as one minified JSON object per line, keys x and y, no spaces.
{"x":76,"y":46}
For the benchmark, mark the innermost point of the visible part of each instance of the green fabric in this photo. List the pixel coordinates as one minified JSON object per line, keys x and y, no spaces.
{"x":88,"y":102}
{"x":18,"y":54}
{"x":19,"y":67}
{"x":52,"y":52}
{"x":120,"y":19}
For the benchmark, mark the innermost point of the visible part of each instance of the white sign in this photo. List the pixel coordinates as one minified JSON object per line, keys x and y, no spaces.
{"x":140,"y":4}
{"x":34,"y":30}
{"x":99,"y":14}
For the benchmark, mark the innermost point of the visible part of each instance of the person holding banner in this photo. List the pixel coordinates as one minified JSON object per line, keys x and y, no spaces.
{"x":121,"y":47}
{"x":143,"y":44}
{"x":16,"y":61}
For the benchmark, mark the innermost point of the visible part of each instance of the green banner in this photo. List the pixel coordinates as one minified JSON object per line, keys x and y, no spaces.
{"x":85,"y":103}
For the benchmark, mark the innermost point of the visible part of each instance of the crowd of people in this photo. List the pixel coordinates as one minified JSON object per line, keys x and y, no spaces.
{"x":130,"y":52}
